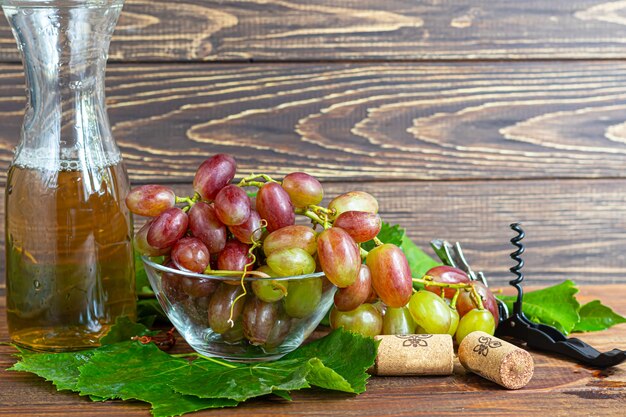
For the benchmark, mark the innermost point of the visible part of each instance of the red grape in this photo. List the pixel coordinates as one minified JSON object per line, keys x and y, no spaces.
{"x":465,"y":302}
{"x":391,"y":275}
{"x":354,"y":201}
{"x":279,"y":332}
{"x":249,"y":229}
{"x":150,"y":200}
{"x":166,"y":229}
{"x":213,"y":175}
{"x":232,"y":205}
{"x":274,"y":205}
{"x":234,"y":256}
{"x":303,"y":189}
{"x":361,"y":225}
{"x":354,"y":295}
{"x":258,"y":320}
{"x":205,"y":225}
{"x":198,"y":287}
{"x":295,"y":236}
{"x":339,"y":256}
{"x":190,"y":254}
{"x":141,"y":242}
{"x":220,"y":305}
{"x":448,"y":275}
{"x":171,"y":285}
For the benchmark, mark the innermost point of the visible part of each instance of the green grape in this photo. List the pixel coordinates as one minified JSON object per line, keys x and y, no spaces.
{"x":454,"y":321}
{"x":398,"y":321}
{"x":430,"y":312}
{"x":475,"y":320}
{"x":365,"y":319}
{"x":269,"y":290}
{"x":303,"y":297}
{"x":291,"y":262}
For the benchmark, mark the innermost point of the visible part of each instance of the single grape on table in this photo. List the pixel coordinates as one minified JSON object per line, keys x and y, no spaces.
{"x":264,"y":247}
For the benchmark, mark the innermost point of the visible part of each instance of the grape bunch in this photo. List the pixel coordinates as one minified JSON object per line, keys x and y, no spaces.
{"x":222,"y":231}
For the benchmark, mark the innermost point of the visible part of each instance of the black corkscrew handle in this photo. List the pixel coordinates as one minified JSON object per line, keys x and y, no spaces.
{"x":544,"y":337}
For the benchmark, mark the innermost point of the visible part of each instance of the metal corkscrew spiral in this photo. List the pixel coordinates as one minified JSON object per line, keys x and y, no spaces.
{"x":516,"y":256}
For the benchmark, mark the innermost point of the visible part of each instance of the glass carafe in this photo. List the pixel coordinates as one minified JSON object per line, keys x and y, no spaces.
{"x":69,"y":261}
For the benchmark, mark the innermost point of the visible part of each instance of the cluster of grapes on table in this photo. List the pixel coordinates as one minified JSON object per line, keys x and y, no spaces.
{"x":221,"y":231}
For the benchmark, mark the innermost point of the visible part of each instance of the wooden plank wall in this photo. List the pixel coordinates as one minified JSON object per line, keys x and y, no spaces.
{"x":461,"y":116}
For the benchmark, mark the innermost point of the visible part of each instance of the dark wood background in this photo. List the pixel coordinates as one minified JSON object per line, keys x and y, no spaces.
{"x":460,"y":116}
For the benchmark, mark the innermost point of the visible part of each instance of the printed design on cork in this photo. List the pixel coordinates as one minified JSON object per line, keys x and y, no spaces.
{"x":485,"y":343}
{"x":415,"y":340}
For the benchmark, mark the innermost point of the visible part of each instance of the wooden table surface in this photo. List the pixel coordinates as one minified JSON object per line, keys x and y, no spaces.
{"x":559,"y":387}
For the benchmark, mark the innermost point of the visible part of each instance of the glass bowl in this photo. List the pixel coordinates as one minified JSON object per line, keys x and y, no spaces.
{"x":260,"y":331}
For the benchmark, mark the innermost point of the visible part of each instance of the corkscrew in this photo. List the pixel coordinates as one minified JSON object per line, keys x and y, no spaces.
{"x":515,"y":324}
{"x":541,"y":336}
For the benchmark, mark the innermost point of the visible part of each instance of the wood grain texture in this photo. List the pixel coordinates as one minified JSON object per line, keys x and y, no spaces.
{"x":576,"y":229}
{"x":362,"y":121}
{"x":558,"y":388}
{"x":193,"y":30}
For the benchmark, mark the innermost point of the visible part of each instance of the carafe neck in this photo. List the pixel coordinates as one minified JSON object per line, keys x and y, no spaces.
{"x":64,"y":46}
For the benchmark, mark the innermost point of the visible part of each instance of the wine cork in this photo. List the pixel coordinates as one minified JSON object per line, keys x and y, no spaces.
{"x":414,"y":354}
{"x":496,"y":360}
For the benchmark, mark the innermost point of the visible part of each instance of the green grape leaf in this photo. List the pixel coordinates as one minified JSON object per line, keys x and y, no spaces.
{"x":596,"y":316}
{"x":123,"y":330}
{"x":334,"y":349}
{"x":240,"y":382}
{"x":62,"y":369}
{"x":283,"y":394}
{"x":124,"y":369}
{"x":321,"y":363}
{"x":555,"y":306}
{"x":149,"y":309}
{"x":387,"y":234}
{"x":130,"y":370}
{"x":419,"y":261}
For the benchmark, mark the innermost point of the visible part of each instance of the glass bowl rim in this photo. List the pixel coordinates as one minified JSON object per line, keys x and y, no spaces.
{"x":147,"y":261}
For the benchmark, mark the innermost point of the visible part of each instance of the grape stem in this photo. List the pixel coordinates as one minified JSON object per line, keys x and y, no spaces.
{"x":190,"y":201}
{"x":455,"y":298}
{"x":478,"y":300}
{"x":255,"y":244}
{"x":428,"y":280}
{"x":316,"y":218}
{"x":226,"y":273}
{"x":249,"y":181}
{"x":276,"y":285}
{"x":377,"y":241}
